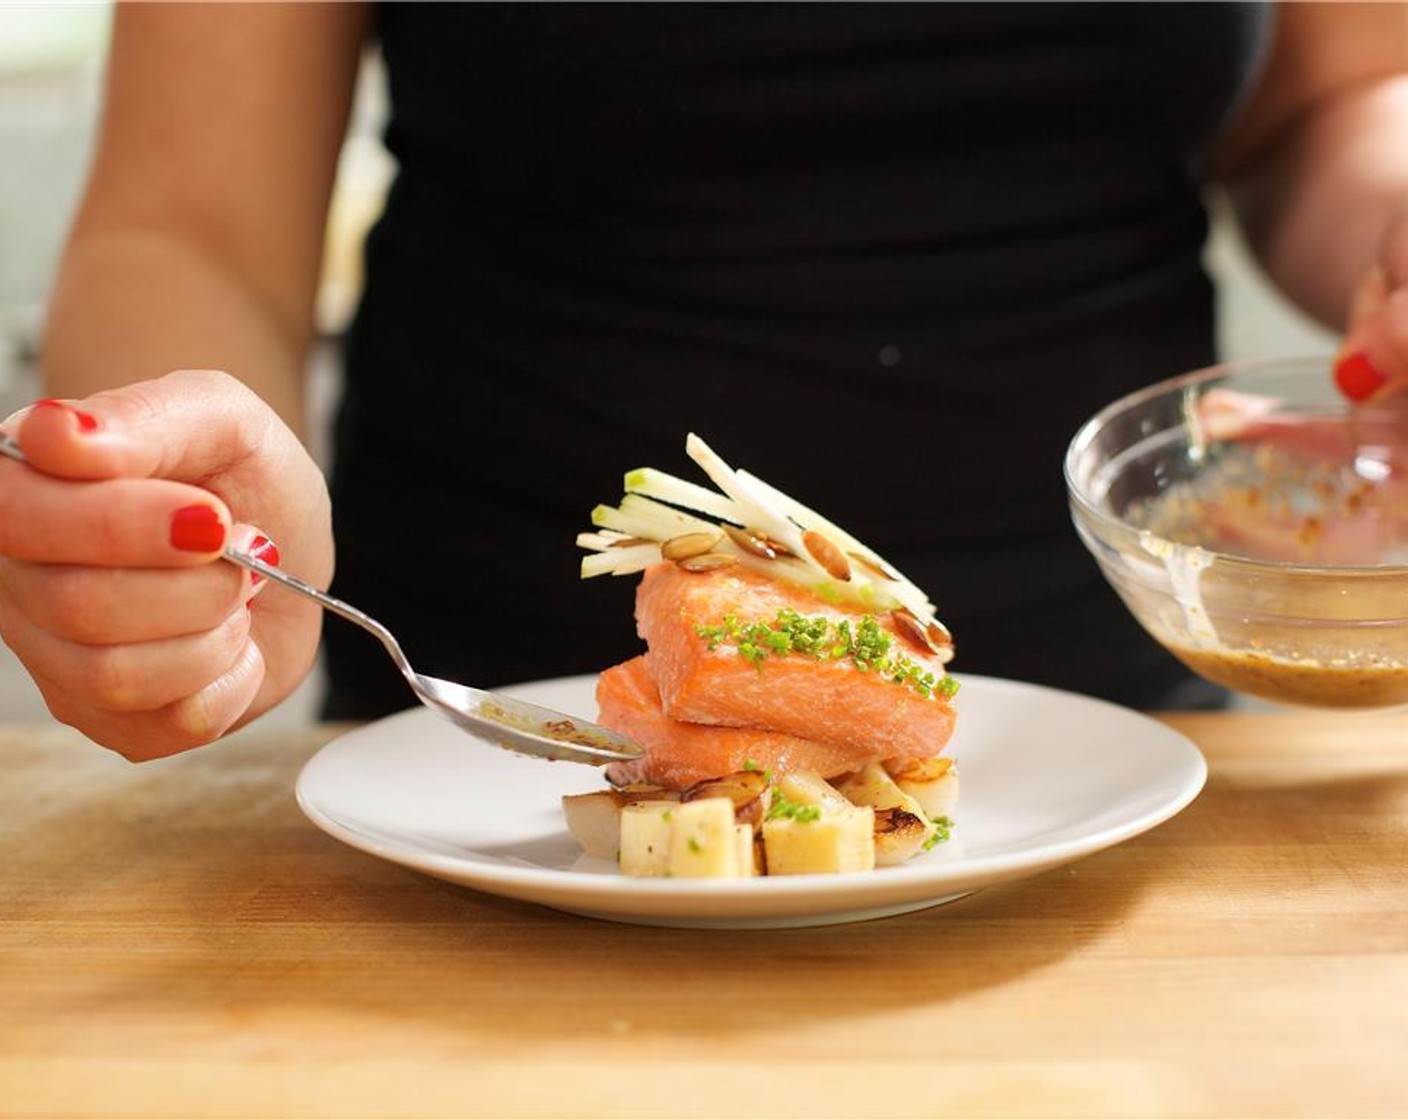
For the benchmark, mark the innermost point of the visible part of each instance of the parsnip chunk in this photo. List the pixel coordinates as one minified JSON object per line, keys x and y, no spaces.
{"x":703,"y":840}
{"x":645,"y":837}
{"x":835,"y":841}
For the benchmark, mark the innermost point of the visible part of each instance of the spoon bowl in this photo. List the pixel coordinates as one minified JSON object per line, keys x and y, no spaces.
{"x":504,"y":721}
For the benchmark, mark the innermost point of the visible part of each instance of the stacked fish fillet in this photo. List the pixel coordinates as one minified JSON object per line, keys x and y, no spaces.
{"x":776,"y":644}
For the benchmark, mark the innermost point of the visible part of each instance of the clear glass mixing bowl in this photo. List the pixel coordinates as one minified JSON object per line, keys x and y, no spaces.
{"x":1257,"y":526}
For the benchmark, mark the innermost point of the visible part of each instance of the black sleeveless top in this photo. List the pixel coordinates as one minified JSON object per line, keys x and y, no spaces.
{"x":886,"y":257}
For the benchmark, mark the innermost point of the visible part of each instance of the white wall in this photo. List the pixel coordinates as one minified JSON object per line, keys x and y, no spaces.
{"x":1255,"y":320}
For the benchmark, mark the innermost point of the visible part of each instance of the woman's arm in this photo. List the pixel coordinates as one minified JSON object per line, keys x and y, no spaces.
{"x":199,"y":240}
{"x":198,"y":244}
{"x":1316,"y":162}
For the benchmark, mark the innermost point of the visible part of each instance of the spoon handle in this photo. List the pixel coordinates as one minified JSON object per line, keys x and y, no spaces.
{"x":327,"y":602}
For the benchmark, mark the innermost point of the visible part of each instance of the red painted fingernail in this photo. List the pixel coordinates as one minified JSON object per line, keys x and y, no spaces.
{"x":261,"y":548}
{"x":1357,"y":377}
{"x":86,"y":421}
{"x":197,"y":529}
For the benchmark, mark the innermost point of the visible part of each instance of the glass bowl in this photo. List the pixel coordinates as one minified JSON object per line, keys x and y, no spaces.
{"x":1257,"y":526}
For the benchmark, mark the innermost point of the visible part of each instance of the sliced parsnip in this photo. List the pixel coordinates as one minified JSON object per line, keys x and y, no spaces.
{"x":749,"y":791}
{"x":899,"y":836}
{"x":807,"y":787}
{"x":932,"y":782}
{"x":594,"y":819}
{"x":871,"y":785}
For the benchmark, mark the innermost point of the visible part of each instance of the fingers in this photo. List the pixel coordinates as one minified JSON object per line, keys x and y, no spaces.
{"x":147,"y":661}
{"x":132,"y":676}
{"x":118,"y":522}
{"x":1255,"y":532}
{"x":192,"y":721}
{"x":1231,"y":416}
{"x":111,"y":606}
{"x":109,"y":592}
{"x":1227,"y":414}
{"x":189,"y":425}
{"x":199,"y":428}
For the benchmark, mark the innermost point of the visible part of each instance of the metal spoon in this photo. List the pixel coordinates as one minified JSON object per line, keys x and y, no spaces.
{"x":513,"y":724}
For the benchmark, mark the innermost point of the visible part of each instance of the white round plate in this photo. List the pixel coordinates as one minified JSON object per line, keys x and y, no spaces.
{"x":1046,"y":777}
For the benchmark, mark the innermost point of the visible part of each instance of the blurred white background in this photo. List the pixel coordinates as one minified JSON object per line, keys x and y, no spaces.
{"x":51,"y":58}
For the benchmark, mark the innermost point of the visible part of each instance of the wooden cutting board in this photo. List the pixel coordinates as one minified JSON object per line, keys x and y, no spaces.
{"x":176,"y":940}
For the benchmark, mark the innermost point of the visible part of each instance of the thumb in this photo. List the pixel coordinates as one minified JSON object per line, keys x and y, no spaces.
{"x":186,"y":426}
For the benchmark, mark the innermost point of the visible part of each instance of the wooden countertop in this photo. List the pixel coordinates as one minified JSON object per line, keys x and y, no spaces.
{"x":176,"y":940}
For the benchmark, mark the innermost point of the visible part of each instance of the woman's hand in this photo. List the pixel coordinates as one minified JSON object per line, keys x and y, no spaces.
{"x":111,"y":590}
{"x":1315,"y":165}
{"x":1373,"y":362}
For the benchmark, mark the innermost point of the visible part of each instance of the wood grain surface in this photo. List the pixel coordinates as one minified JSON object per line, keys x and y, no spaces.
{"x":176,"y":940}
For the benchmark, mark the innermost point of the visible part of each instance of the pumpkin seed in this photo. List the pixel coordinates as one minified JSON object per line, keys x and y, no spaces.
{"x":877,"y":570}
{"x":931,"y":637}
{"x":755,"y":543}
{"x":825,"y":553}
{"x":706,"y":562}
{"x":686,"y":545}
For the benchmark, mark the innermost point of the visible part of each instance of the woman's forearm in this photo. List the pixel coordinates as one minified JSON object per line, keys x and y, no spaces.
{"x":199,"y":240}
{"x":135,"y":303}
{"x":1317,"y":206}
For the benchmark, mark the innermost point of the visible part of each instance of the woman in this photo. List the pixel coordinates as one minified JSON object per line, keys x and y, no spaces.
{"x":887,"y":257}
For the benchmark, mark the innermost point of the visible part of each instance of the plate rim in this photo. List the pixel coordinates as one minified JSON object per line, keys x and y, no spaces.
{"x":602,"y":894}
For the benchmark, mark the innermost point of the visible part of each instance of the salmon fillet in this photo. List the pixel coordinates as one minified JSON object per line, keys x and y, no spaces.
{"x":679,"y":754}
{"x":862,"y":712}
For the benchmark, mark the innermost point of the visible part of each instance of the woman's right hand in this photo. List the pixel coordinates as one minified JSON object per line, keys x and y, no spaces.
{"x":112,"y":593}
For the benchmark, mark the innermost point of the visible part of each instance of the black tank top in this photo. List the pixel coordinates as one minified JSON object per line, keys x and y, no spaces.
{"x":886,"y":256}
